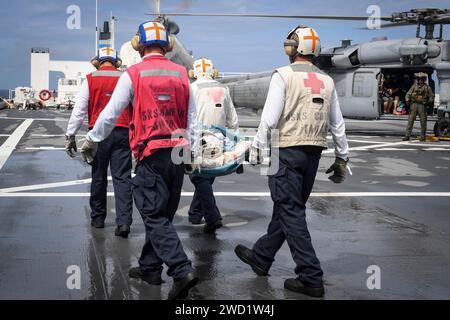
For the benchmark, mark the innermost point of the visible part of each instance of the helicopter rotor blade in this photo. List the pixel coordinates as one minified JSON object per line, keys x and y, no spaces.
{"x":260,"y":15}
{"x":391,"y":25}
{"x":443,"y":18}
{"x":397,"y":24}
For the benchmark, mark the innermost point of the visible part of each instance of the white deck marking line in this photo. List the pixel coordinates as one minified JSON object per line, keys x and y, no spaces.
{"x":45,"y":148}
{"x":4,"y":135}
{"x":349,"y":134}
{"x":365,"y":141}
{"x":47,"y":135}
{"x":418,"y":149}
{"x":374,"y":146}
{"x":241,"y":194}
{"x":48,"y":185}
{"x":36,"y":119}
{"x":51,"y":185}
{"x":80,"y":134}
{"x":10,"y":144}
{"x":397,"y":149}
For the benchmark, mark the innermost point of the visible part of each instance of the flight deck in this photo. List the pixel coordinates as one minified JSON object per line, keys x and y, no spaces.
{"x":392,"y":213}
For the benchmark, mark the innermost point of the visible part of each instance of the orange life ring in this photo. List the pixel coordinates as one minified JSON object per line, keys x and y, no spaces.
{"x":45,"y":95}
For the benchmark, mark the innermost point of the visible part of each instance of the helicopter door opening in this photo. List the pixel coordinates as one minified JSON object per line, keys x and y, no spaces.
{"x":395,"y":83}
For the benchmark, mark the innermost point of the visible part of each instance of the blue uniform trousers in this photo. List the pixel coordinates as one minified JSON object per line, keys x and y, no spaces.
{"x":157,"y":191}
{"x":115,"y":152}
{"x":290,"y":188}
{"x":203,"y":203}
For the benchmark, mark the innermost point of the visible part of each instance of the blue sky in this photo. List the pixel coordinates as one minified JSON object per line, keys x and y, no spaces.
{"x":234,"y":44}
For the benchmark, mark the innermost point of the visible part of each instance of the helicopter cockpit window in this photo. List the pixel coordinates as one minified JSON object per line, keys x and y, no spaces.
{"x":362,"y":84}
{"x":354,"y":58}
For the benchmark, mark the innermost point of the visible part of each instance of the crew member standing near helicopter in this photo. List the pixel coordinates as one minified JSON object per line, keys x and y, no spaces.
{"x":115,"y":151}
{"x":163,"y":108}
{"x":302,"y":105}
{"x":420,"y":95}
{"x":214,"y":108}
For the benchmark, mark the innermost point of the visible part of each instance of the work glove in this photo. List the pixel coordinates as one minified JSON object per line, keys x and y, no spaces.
{"x":255,"y":156}
{"x":88,"y":151}
{"x":340,"y":169}
{"x":190,"y":168}
{"x":71,"y":146}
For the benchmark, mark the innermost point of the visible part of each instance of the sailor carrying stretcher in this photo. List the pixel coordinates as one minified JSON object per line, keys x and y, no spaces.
{"x":214,"y":109}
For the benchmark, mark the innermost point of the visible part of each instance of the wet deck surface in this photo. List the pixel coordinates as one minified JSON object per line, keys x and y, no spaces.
{"x":44,"y":223}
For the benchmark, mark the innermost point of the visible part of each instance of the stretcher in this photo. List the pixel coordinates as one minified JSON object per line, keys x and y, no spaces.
{"x":222,"y":152}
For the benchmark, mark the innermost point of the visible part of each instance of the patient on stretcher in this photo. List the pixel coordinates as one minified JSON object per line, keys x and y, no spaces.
{"x":221,"y":151}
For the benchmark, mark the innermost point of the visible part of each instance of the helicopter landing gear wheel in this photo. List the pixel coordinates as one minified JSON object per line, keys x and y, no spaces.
{"x":442,"y":128}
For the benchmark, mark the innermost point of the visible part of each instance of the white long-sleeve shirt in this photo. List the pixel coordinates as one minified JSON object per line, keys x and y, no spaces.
{"x":273,"y":108}
{"x":120,"y":99}
{"x":207,"y":111}
{"x":80,"y":110}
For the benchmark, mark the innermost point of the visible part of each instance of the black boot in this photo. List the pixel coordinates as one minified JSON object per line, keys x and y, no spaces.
{"x":98,"y":223}
{"x":423,"y":137}
{"x":122,"y":231}
{"x":211,"y":228}
{"x":246,"y":256}
{"x":405,"y":138}
{"x":297,"y":286}
{"x":136,"y":273}
{"x":195,"y":221}
{"x":180,"y":288}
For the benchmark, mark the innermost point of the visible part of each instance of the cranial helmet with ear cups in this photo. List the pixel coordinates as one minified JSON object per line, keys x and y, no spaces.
{"x":106,"y":54}
{"x":421,"y":75}
{"x":152,"y":32}
{"x":302,"y":40}
{"x":204,"y":66}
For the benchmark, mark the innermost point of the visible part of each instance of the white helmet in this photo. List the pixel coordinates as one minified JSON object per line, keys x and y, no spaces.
{"x":302,"y":40}
{"x":203,"y":67}
{"x":106,"y":54}
{"x":152,"y":32}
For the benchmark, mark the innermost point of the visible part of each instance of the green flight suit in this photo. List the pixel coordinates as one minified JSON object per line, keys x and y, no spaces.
{"x":419,"y":97}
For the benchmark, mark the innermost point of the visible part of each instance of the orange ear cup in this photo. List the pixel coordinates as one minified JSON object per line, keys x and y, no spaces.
{"x":171,"y":43}
{"x":290,"y":47}
{"x":118,"y":63}
{"x":135,"y":42}
{"x":215,"y":74}
{"x":95,"y":63}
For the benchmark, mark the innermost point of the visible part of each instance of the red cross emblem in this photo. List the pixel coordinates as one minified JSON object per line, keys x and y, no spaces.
{"x":108,"y":50}
{"x":204,"y":65}
{"x":157,"y":30}
{"x":314,"y":83}
{"x":314,"y":38}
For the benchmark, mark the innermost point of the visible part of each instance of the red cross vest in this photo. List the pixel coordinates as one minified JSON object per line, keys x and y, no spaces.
{"x":306,"y":113}
{"x":160,"y":105}
{"x":101,"y":86}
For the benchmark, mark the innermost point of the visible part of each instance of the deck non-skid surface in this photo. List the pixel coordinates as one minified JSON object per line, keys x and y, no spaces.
{"x":394,"y":212}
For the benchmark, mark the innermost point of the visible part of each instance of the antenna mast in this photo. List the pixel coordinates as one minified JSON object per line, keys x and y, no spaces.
{"x":113,"y":31}
{"x":158,"y":6}
{"x":96,"y":27}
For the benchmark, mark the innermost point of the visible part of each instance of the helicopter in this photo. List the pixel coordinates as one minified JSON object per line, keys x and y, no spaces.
{"x":358,"y":70}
